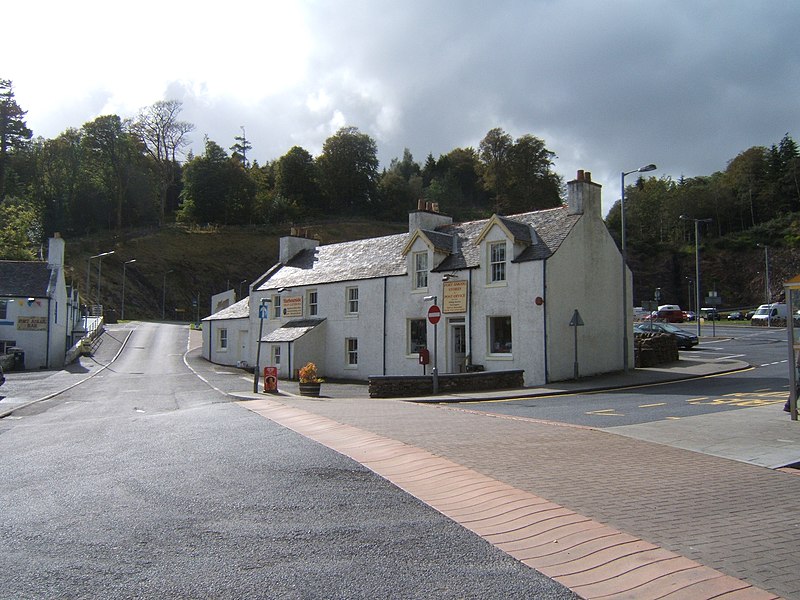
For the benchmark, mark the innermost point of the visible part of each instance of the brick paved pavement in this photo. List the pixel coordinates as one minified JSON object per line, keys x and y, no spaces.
{"x":723,"y":514}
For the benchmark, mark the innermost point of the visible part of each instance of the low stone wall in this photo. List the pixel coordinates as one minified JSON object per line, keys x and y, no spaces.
{"x":450,"y":383}
{"x":653,"y":349}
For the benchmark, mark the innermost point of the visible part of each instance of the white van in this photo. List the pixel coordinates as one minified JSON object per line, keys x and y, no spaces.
{"x":767,"y":313}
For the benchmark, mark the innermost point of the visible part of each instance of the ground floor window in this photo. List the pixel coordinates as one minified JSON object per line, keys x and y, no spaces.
{"x":223,"y":339}
{"x":352,"y":352}
{"x":417,"y":335}
{"x":6,"y":344}
{"x":500,"y":335}
{"x":276,"y":356}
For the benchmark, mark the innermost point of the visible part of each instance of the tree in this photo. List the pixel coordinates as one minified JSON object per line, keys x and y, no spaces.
{"x":532,"y":183}
{"x":164,"y":136}
{"x":13,"y":130}
{"x":348,"y":169}
{"x":296,"y":179}
{"x":216,"y":189}
{"x":240,"y":148}
{"x":20,"y":230}
{"x":494,"y":151}
{"x":110,"y":153}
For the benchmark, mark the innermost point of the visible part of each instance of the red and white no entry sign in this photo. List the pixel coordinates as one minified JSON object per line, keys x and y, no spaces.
{"x":434,"y":314}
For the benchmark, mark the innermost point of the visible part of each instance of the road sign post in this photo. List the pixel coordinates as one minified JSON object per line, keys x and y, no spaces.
{"x":263,"y":312}
{"x":434,"y":315}
{"x":576,"y":322}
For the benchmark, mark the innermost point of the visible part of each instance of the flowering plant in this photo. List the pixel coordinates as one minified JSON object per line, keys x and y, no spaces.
{"x":308,"y":374}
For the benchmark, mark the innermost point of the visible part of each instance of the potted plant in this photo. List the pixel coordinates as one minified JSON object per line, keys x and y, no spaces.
{"x":309,"y":381}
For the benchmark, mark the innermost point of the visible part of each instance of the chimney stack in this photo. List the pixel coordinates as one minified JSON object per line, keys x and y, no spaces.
{"x":583,"y":195}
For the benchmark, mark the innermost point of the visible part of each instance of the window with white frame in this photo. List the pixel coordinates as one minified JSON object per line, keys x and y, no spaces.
{"x":499,"y":335}
{"x":222,"y":339}
{"x":497,"y":262}
{"x":313,"y":307}
{"x":417,"y":335}
{"x":420,"y":270}
{"x":351,"y":360}
{"x":3,"y":309}
{"x":276,"y":307}
{"x":352,"y":301}
{"x":276,"y":356}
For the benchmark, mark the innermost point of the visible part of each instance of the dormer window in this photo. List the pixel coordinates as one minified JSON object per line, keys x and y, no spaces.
{"x":420,"y":270}
{"x":497,"y":261}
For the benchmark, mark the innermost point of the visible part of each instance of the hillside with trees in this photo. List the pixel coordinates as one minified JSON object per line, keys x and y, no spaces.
{"x":117,"y":181}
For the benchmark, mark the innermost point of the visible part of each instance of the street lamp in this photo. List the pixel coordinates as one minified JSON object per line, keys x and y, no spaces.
{"x":767,"y":295}
{"x":88,"y":272}
{"x":164,"y":296}
{"x":122,"y":309}
{"x":243,"y":281}
{"x":644,"y":169}
{"x":696,"y":263}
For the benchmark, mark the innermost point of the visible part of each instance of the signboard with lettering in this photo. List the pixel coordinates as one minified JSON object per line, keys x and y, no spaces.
{"x":454,"y":296}
{"x":32,"y":323}
{"x":292,"y":306}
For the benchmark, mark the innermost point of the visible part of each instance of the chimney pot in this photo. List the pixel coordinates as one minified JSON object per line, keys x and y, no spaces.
{"x":580,"y":175}
{"x":587,"y":177}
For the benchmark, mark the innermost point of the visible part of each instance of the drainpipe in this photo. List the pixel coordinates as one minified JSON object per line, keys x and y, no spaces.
{"x":544,"y":321}
{"x":384,"y":324}
{"x":47,"y":352}
{"x":469,"y":318}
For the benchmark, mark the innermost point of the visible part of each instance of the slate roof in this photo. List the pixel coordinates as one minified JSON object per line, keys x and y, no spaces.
{"x":347,"y":261}
{"x":292,"y":330}
{"x":238,"y":310}
{"x":383,"y":256}
{"x":24,"y":279}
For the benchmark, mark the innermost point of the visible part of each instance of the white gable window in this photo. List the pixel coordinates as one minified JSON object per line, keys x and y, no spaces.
{"x":420,"y":270}
{"x":351,"y":345}
{"x":497,"y":261}
{"x":312,"y":302}
{"x":499,"y":335}
{"x":352,"y":301}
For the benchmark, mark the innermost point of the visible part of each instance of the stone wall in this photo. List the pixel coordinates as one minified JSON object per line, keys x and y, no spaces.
{"x":450,"y":383}
{"x":653,"y":349}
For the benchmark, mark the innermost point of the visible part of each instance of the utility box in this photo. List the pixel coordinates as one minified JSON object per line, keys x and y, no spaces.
{"x":19,"y":358}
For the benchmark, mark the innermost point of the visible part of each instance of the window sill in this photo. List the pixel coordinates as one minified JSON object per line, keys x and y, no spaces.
{"x":499,"y":357}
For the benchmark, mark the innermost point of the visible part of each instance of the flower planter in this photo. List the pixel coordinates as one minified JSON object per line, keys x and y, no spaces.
{"x":310,"y":389}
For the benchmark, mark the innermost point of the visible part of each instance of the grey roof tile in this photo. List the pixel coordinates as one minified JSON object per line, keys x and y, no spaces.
{"x":292,"y":330}
{"x":20,"y":278}
{"x":382,"y":256}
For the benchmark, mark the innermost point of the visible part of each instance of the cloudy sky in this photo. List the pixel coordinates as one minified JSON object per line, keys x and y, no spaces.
{"x":609,"y":86}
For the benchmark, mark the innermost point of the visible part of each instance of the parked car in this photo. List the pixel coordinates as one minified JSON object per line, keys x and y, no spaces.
{"x":671,"y":313}
{"x":736,"y":315}
{"x":689,"y":315}
{"x":684,"y":339}
{"x":710,"y":314}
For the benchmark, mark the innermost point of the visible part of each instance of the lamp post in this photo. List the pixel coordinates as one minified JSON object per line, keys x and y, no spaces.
{"x":644,"y":169}
{"x":262,"y":314}
{"x":89,"y":270}
{"x":164,"y":296}
{"x":696,"y":264}
{"x":767,"y":295}
{"x":122,"y":309}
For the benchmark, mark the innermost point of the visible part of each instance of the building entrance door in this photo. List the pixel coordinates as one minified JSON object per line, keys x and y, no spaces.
{"x":458,"y":347}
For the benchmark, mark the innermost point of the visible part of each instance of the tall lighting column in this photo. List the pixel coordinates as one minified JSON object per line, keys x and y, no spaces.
{"x":644,"y":169}
{"x":767,"y":295}
{"x":122,"y":309}
{"x":164,"y":296}
{"x":88,"y":271}
{"x":696,"y":264}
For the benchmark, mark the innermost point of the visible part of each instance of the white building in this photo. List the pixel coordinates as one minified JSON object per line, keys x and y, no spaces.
{"x":37,"y":312}
{"x":508,"y":288}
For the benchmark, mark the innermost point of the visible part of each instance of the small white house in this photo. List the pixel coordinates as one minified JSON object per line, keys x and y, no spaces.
{"x":226,"y":335}
{"x":538,"y":291}
{"x":38,"y":314}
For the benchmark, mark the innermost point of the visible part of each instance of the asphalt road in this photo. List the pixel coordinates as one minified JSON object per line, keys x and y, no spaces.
{"x":143,"y":482}
{"x":764,"y":384}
